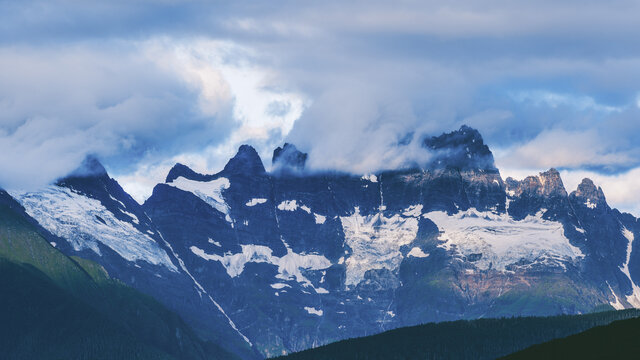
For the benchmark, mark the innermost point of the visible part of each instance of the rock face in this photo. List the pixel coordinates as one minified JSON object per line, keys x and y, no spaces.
{"x":293,"y":260}
{"x":288,"y":158}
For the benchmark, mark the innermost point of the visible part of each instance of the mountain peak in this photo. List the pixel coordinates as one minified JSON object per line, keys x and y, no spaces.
{"x":246,"y":161}
{"x":288,"y":157}
{"x":546,"y":184}
{"x":181,"y":170}
{"x":552,"y":183}
{"x":588,"y":193}
{"x":90,"y":167}
{"x":463,"y":148}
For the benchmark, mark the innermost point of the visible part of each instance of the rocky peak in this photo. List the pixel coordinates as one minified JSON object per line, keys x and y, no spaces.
{"x":552,"y":183}
{"x":546,"y":184}
{"x":463,"y":149}
{"x":181,"y":170}
{"x":288,"y":157}
{"x":246,"y":161}
{"x":90,"y":167}
{"x":589,"y":194}
{"x":530,"y":185}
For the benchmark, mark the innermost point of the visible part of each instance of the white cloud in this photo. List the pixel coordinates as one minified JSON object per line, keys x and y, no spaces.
{"x":621,"y":190}
{"x":263,"y":113}
{"x":562,"y":148}
{"x":161,"y":99}
{"x":554,"y":100}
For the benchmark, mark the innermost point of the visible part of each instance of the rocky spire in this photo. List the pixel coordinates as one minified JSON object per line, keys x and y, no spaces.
{"x":90,"y":167}
{"x":546,"y":184}
{"x":246,"y":161}
{"x":589,"y":194}
{"x":288,"y":157}
{"x":463,"y":149}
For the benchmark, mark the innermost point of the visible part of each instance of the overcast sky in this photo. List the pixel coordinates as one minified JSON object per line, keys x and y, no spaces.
{"x":144,"y":84}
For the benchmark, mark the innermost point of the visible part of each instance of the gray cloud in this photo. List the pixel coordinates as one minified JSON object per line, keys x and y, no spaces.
{"x":58,"y":105}
{"x":526,"y":75}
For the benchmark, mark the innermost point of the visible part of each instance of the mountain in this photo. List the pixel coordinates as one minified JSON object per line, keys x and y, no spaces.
{"x":269,"y":263}
{"x":88,"y":215}
{"x":53,"y":306}
{"x":618,"y":340}
{"x":472,"y":339}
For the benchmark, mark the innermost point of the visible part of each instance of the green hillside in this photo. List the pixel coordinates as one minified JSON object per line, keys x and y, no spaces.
{"x":56,"y":307}
{"x":475,"y":339}
{"x":618,"y":340}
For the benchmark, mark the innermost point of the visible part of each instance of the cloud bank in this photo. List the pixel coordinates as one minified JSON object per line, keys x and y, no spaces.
{"x":145,"y":83}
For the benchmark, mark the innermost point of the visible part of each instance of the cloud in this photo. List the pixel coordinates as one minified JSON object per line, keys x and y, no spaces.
{"x":128,"y":103}
{"x":59,"y":104}
{"x":143,"y":83}
{"x":555,"y":100}
{"x":568,"y":149}
{"x":621,"y":190}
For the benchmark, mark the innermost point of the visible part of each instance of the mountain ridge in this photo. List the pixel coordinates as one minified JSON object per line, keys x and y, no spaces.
{"x":294,"y":259}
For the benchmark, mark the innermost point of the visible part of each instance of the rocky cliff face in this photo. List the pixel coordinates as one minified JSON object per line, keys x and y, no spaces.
{"x":294,"y":259}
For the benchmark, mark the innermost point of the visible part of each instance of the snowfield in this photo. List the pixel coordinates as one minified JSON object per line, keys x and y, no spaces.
{"x":209,"y":191}
{"x":503,"y":241}
{"x":85,"y":222}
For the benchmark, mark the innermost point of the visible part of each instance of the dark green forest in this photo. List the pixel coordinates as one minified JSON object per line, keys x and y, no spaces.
{"x":475,"y":339}
{"x":618,"y":340}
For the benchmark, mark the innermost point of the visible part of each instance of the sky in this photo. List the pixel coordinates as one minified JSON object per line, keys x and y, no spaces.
{"x":146,"y":84}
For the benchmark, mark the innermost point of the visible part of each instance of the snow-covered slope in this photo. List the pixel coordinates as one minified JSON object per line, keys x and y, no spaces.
{"x":499,"y":242}
{"x":85,"y":223}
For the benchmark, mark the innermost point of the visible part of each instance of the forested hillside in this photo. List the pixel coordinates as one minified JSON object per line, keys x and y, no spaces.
{"x":476,"y":339}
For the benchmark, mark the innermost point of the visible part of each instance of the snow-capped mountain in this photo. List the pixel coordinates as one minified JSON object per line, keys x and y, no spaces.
{"x":289,"y":259}
{"x":89,"y":215}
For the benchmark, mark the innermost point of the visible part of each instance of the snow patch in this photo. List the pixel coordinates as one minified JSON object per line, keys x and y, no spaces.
{"x":133,"y":217}
{"x":292,"y":205}
{"x":313,"y":311}
{"x":118,"y":201}
{"x":279,"y":286}
{"x":634,"y":298}
{"x":288,"y":205}
{"x":370,"y":177}
{"x":417,"y":252}
{"x":413,"y":210}
{"x":209,"y":191}
{"x":616,"y":304}
{"x":211,"y":241}
{"x":375,"y":241}
{"x":503,"y":241}
{"x":289,"y":265}
{"x":319,"y":218}
{"x":84,"y":222}
{"x":591,"y":205}
{"x":254,"y":202}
